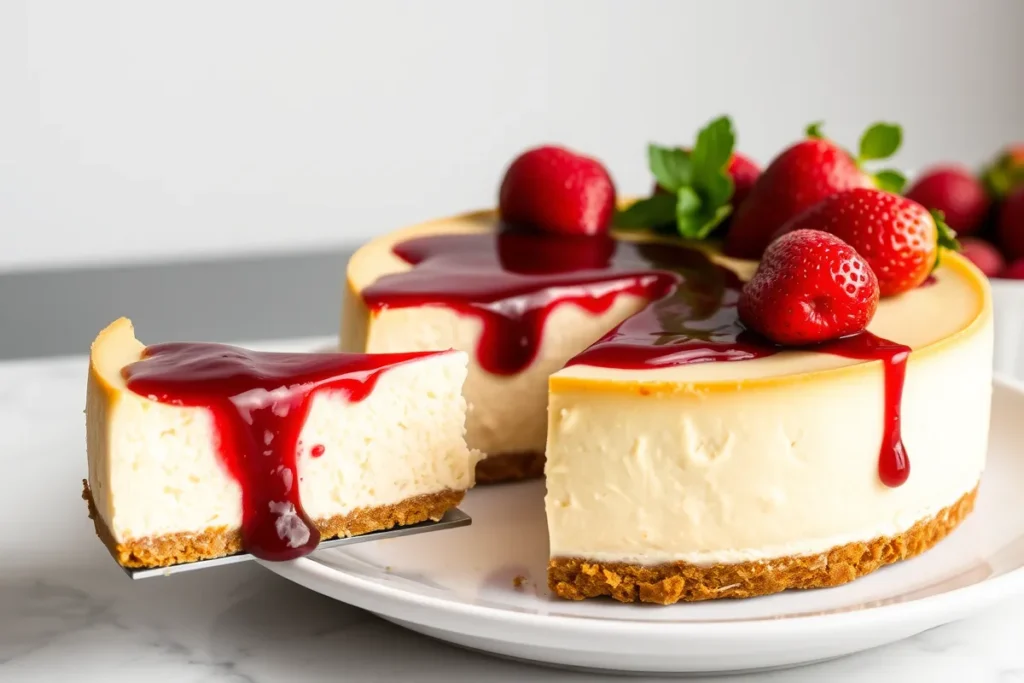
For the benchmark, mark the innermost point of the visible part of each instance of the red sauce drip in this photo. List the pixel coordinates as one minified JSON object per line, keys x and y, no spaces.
{"x":512,"y":280}
{"x":893,"y":463}
{"x":317,"y":450}
{"x":259,"y":403}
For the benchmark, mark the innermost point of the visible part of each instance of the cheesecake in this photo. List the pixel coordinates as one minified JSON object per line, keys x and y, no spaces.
{"x":687,"y":458}
{"x":520,"y":304}
{"x":199,"y":450}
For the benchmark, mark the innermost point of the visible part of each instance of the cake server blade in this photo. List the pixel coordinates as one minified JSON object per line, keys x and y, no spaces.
{"x":452,"y":519}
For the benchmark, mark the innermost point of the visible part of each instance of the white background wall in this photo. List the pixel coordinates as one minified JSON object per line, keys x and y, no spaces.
{"x":145,"y":130}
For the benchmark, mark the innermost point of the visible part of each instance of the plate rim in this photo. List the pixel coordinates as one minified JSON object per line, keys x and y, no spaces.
{"x":395,"y":602}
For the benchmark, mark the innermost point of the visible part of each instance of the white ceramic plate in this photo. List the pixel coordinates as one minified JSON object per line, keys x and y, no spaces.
{"x":460,"y":586}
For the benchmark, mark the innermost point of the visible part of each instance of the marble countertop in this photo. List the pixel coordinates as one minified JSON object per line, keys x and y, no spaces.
{"x":68,"y":613}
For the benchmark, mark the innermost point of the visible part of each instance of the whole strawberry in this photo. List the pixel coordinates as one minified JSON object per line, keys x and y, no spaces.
{"x":744,"y":173}
{"x":896,"y":235}
{"x":1014,"y":271}
{"x":802,"y":176}
{"x":955,"y":192}
{"x":810,"y":287}
{"x":1011,"y":225}
{"x":559,"y":191}
{"x":983,"y":255}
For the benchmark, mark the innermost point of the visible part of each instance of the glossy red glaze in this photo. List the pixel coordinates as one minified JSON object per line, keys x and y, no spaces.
{"x":512,"y":280}
{"x":259,"y":402}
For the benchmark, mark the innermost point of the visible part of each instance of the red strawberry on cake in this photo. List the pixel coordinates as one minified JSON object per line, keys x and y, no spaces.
{"x":810,"y":287}
{"x":744,"y":173}
{"x":802,"y":176}
{"x":896,"y":235}
{"x":557,"y":190}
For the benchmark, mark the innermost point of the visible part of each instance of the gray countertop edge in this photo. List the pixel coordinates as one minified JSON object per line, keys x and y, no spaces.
{"x":58,"y":312}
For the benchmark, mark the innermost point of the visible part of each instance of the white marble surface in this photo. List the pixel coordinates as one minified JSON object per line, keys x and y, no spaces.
{"x":68,"y":613}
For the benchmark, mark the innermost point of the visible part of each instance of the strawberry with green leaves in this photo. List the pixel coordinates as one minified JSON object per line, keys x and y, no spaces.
{"x":898,"y":237}
{"x":803,"y":175}
{"x":694,"y":187}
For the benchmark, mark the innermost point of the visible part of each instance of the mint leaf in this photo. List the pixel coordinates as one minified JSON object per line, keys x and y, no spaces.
{"x":712,"y":150}
{"x":697,"y":183}
{"x":699,"y":226}
{"x":648,"y":213}
{"x":699,"y":214}
{"x":695,"y":219}
{"x":890,"y":181}
{"x":718,"y":190}
{"x":670,"y":166}
{"x":688,"y":202}
{"x":880,"y":141}
{"x":813,"y":130}
{"x":714,"y":220}
{"x":689,"y":226}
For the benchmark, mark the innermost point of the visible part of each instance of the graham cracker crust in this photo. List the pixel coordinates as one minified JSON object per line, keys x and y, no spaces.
{"x":665,"y":584}
{"x":495,"y":469}
{"x":170,"y":549}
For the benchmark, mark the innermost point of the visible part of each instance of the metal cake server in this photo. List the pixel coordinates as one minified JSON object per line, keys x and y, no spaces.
{"x":452,"y":519}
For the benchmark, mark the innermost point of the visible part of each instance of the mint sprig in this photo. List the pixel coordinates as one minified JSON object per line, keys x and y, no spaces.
{"x":652,"y":212}
{"x":670,"y":166}
{"x":696,"y":188}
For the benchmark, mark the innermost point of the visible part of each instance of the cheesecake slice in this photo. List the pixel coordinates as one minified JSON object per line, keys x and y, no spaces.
{"x":202,"y":450}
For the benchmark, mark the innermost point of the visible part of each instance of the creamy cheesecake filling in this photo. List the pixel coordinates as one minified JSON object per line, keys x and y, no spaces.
{"x":721,"y":463}
{"x":507,"y":413}
{"x":499,"y":291}
{"x":723,"y":477}
{"x":511,"y":281}
{"x":155,"y":468}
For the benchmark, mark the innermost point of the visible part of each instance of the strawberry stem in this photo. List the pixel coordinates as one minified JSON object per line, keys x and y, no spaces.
{"x":945,"y":235}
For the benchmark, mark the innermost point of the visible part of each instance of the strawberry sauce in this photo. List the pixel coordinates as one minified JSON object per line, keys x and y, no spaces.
{"x":893,"y":463}
{"x":512,"y":280}
{"x":259,"y":402}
